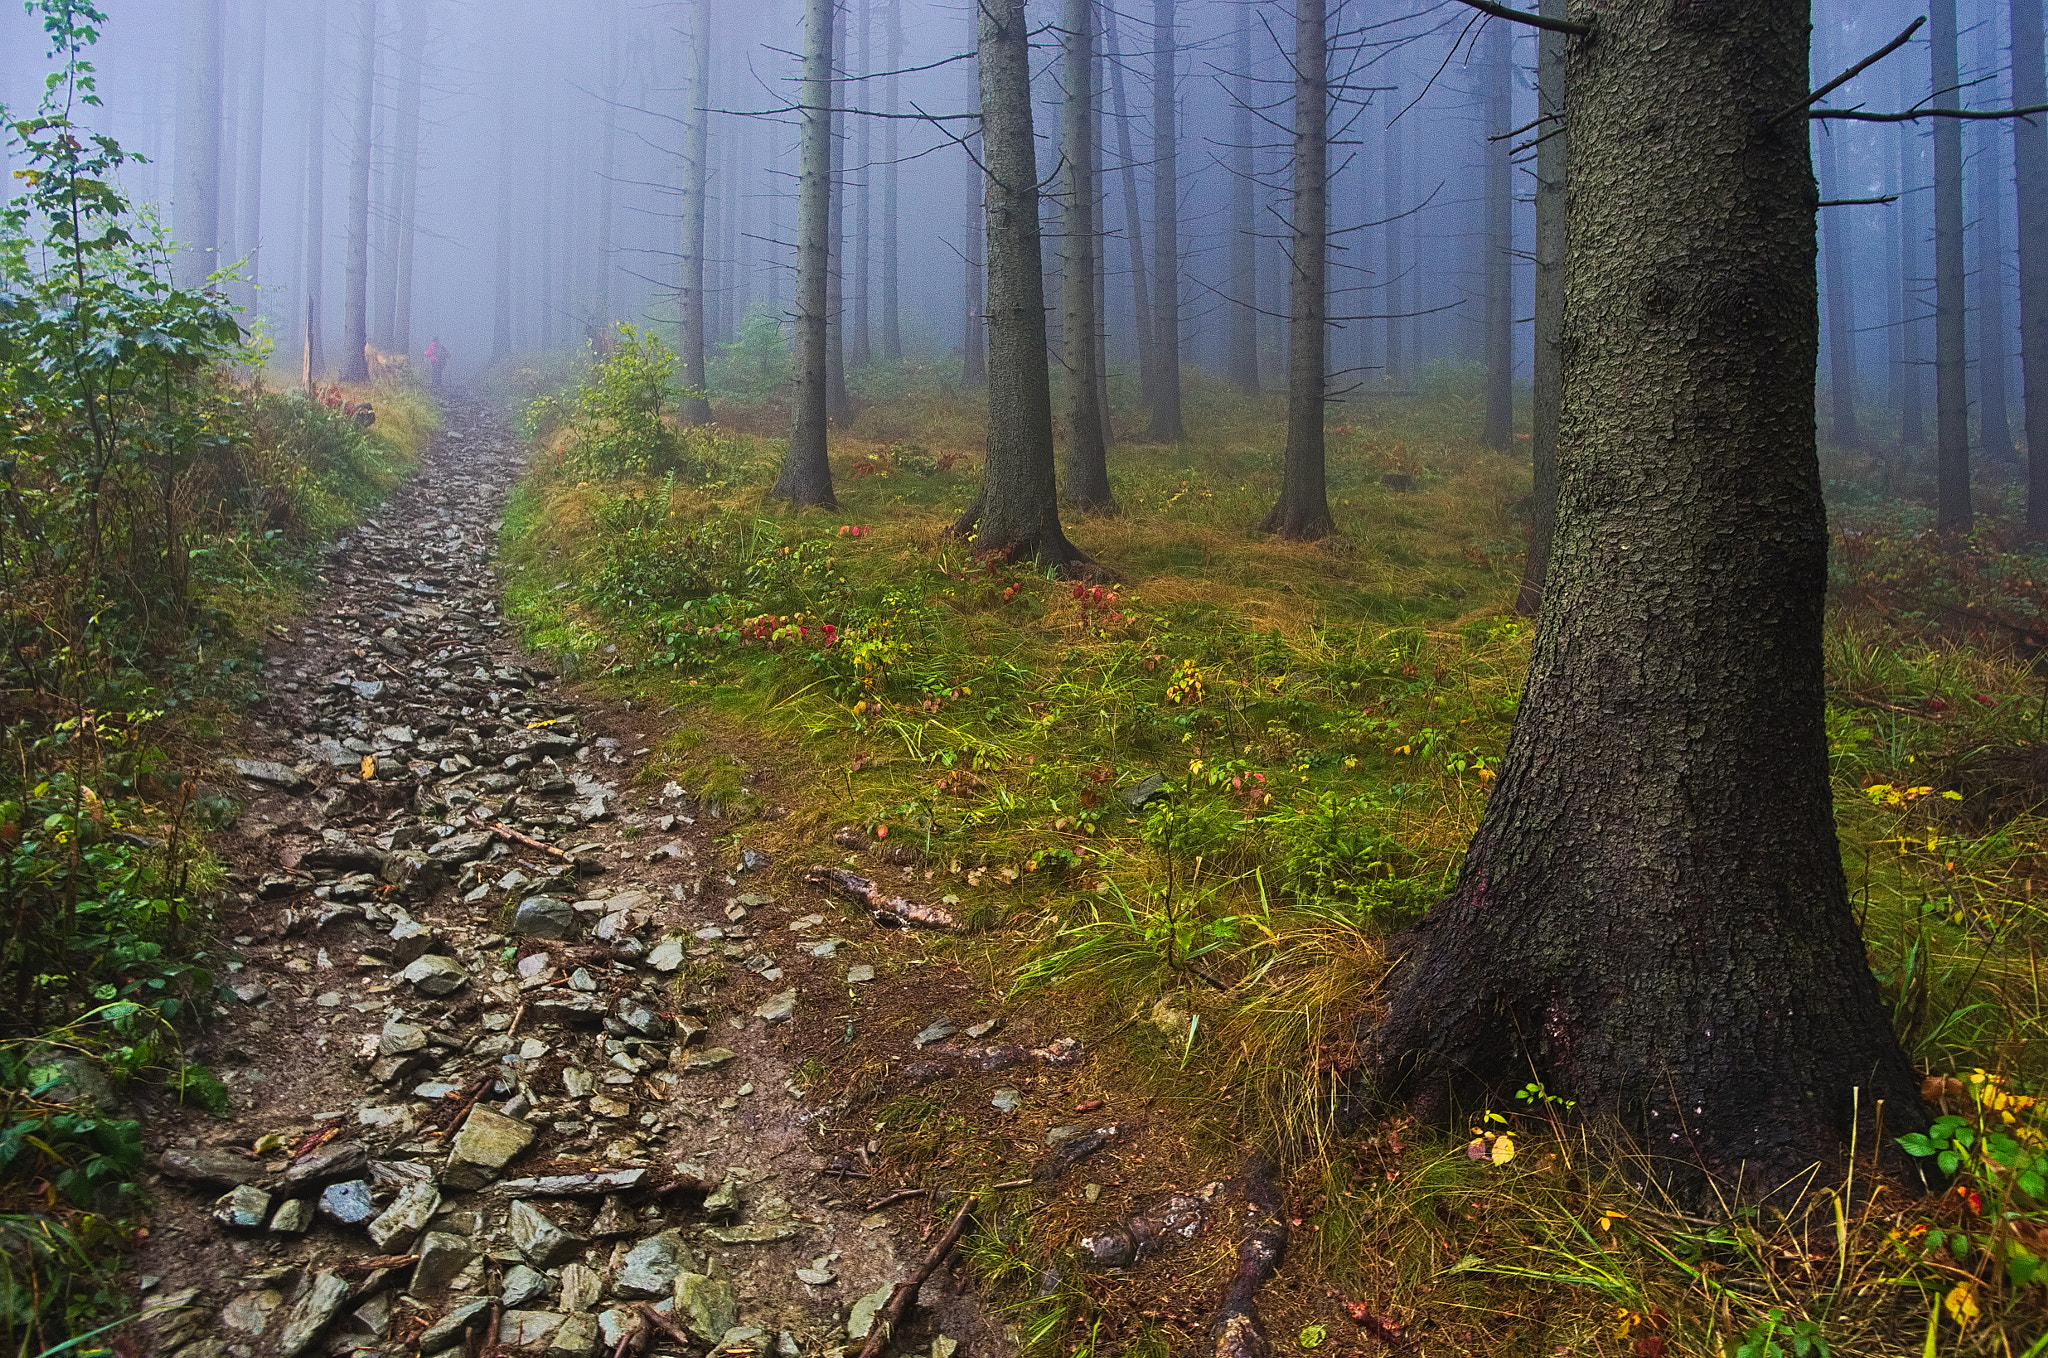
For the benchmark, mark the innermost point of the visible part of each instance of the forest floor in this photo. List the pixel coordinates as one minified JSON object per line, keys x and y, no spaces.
{"x":1160,"y":828}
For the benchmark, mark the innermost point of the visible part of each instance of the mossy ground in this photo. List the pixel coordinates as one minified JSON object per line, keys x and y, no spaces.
{"x":1323,"y":720}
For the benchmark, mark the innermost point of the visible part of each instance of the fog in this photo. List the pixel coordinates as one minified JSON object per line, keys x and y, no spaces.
{"x":526,"y":165}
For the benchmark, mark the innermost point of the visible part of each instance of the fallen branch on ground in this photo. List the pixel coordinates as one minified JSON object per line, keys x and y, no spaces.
{"x":891,"y":1314}
{"x":888,"y":909}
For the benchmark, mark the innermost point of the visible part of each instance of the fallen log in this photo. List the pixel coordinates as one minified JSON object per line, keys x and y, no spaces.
{"x":890,"y":910}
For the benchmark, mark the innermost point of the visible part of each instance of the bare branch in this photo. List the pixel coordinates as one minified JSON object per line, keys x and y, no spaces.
{"x":1845,"y":77}
{"x":1857,"y":115}
{"x":1856,"y":202}
{"x":1518,"y":16}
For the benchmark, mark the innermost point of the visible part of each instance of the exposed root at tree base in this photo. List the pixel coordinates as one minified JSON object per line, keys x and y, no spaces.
{"x":1236,"y":1325}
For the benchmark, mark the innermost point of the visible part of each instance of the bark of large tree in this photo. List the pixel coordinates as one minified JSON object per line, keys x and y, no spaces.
{"x":696,"y":151}
{"x":2030,"y":190}
{"x":1652,"y":918}
{"x":405,"y":177}
{"x":1952,"y":510}
{"x":1303,"y":510}
{"x":1086,"y":463}
{"x":806,"y":477}
{"x":1244,"y":257}
{"x":1546,"y":392}
{"x":196,"y":202}
{"x":1016,"y":515}
{"x":860,"y":349}
{"x":614,"y":89}
{"x":892,"y":319}
{"x":1394,"y":257}
{"x":1498,"y":73}
{"x":973,"y":322}
{"x":1134,"y":221}
{"x":838,"y":399}
{"x":355,"y":300}
{"x":1841,"y":303}
{"x":249,"y":183}
{"x":1167,"y":426}
{"x":313,"y":248}
{"x":1911,"y":375}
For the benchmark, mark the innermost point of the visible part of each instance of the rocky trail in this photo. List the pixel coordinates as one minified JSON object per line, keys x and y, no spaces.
{"x":513,"y":1043}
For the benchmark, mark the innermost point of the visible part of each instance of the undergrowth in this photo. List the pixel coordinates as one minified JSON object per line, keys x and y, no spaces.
{"x":1193,"y":803}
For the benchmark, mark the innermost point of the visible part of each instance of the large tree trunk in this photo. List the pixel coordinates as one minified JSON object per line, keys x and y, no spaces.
{"x":608,"y":160}
{"x":1952,"y":510}
{"x":355,"y":302}
{"x":2030,"y":189}
{"x":1166,"y":416}
{"x":1652,"y":918}
{"x":973,"y":325}
{"x":1994,"y":341}
{"x":1394,"y":257}
{"x":696,"y":150}
{"x":1498,"y":73}
{"x":1086,"y":462}
{"x":860,"y":346}
{"x":196,"y":201}
{"x":313,"y":248}
{"x":892,"y":318}
{"x":1016,"y":515}
{"x":1303,"y":511}
{"x":1546,"y":393}
{"x":406,"y":174}
{"x":1841,"y":303}
{"x":1134,"y":222}
{"x":1244,"y":257}
{"x":806,"y":474}
{"x":838,"y":400}
{"x":1913,"y":309}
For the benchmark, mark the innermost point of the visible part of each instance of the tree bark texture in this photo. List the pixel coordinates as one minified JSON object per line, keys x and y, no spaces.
{"x":860,"y":349}
{"x":249,"y":183}
{"x":806,"y":474}
{"x":406,"y":173}
{"x":973,"y":324}
{"x":196,"y":202}
{"x":1994,"y":341}
{"x":1393,"y":257}
{"x":1652,"y":918}
{"x":1086,"y":463}
{"x":1498,"y":72}
{"x":2030,"y":189}
{"x":1546,"y":391}
{"x":1303,"y":510}
{"x":838,"y":400}
{"x":1912,"y":286}
{"x":355,"y":298}
{"x":1167,"y":426}
{"x":1016,"y":515}
{"x":1952,"y":510}
{"x":1841,"y":302}
{"x":608,"y":160}
{"x":1244,"y":258}
{"x":696,"y":165}
{"x":1134,"y":221}
{"x":892,"y":319}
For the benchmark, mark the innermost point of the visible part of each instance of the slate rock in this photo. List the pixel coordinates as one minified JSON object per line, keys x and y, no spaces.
{"x":434,"y":975}
{"x":581,"y":1287}
{"x":1144,"y":790}
{"x":575,"y":1337}
{"x":243,"y":1209}
{"x":407,"y":1215}
{"x":294,"y":1217}
{"x":312,"y":1313}
{"x":348,"y":1203}
{"x":442,"y":1256}
{"x":708,"y":1306}
{"x":517,"y":1329}
{"x":542,"y":1242}
{"x":668,"y":954}
{"x":252,"y":1312}
{"x":544,"y":917}
{"x":486,"y":1144}
{"x":650,"y":1267}
{"x":709,"y":1058}
{"x":778,"y":1008}
{"x":210,"y":1168}
{"x":448,"y":1327}
{"x":521,"y":1285}
{"x":762,"y":1234}
{"x":861,"y":1318}
{"x":269,"y":771}
{"x":332,"y":1163}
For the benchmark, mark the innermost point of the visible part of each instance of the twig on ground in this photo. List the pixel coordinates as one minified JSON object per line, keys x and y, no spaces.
{"x":888,"y":909}
{"x":900,"y":1195}
{"x":891,"y":1314}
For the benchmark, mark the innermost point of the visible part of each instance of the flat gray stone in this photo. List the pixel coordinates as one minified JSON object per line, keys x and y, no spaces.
{"x":708,"y":1306}
{"x":407,"y":1215}
{"x":710,"y":1058}
{"x":269,"y":771}
{"x":442,"y":1256}
{"x":777,"y":1008}
{"x":486,"y":1144}
{"x":312,"y":1313}
{"x":582,"y":1286}
{"x":575,"y":1337}
{"x":348,"y":1203}
{"x":434,"y":975}
{"x":243,"y":1209}
{"x":542,"y":1242}
{"x":521,"y":1328}
{"x":544,"y":917}
{"x":294,"y":1217}
{"x":521,"y":1285}
{"x":861,"y":1318}
{"x":252,"y":1312}
{"x":650,"y":1267}
{"x":332,"y":1163}
{"x":751,"y":1235}
{"x":212,"y":1168}
{"x":668,"y":954}
{"x":448,"y":1327}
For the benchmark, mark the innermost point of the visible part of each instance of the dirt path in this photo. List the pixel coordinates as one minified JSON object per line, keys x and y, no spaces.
{"x":533,"y":1074}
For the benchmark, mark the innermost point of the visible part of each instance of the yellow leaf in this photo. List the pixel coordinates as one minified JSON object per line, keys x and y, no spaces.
{"x":1503,"y":1149}
{"x":369,"y":767}
{"x":1961,"y":1304}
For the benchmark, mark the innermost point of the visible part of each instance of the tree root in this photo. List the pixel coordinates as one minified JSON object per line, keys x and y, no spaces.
{"x":1235,"y":1325}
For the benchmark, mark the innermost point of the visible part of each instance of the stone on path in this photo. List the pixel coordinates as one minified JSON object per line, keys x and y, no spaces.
{"x":486,"y":1144}
{"x":407,"y":1214}
{"x":650,"y":1267}
{"x":434,"y":975}
{"x":543,"y":1242}
{"x":313,"y":1312}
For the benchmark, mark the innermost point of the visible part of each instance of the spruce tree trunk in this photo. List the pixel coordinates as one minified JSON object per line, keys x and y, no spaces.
{"x":860,"y":350}
{"x":1016,"y":515}
{"x":1086,"y":464}
{"x":1546,"y":394}
{"x":1134,"y":222}
{"x":1994,"y":346}
{"x":838,"y":400}
{"x":1499,"y":430}
{"x":1652,"y":918}
{"x":1303,"y":511}
{"x":406,"y":173}
{"x":696,"y":152}
{"x":1841,"y":303}
{"x":195,"y":206}
{"x":313,"y":248}
{"x":355,"y":301}
{"x":608,"y":160}
{"x":806,"y":474}
{"x":1912,"y":286}
{"x":249,"y":183}
{"x":1244,"y":258}
{"x":2030,"y":190}
{"x":1395,"y":261}
{"x":892,"y":318}
{"x":1166,"y":416}
{"x":1952,"y":509}
{"x":973,"y":322}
